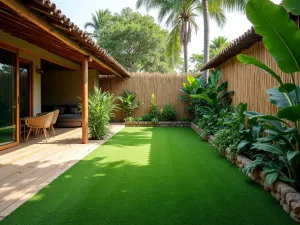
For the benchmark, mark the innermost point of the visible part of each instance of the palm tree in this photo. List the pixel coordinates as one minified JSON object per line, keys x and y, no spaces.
{"x":180,"y":17}
{"x":226,"y":5}
{"x":99,"y":19}
{"x":217,"y":45}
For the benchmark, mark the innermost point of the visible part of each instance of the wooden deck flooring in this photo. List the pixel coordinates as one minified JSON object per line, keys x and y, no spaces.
{"x":27,"y":168}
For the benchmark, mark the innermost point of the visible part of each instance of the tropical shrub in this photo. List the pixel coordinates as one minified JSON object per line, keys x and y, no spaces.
{"x":279,"y":158}
{"x":147,"y":117}
{"x":101,"y":109}
{"x":231,"y":125}
{"x":213,"y":96}
{"x":195,"y":86}
{"x":168,"y":113}
{"x":227,"y":138}
{"x":129,"y":119}
{"x":128,"y":103}
{"x":250,"y":136}
{"x":208,"y":123}
{"x":138,"y":119}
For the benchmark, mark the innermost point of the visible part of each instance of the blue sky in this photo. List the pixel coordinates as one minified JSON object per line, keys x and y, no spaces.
{"x":79,"y":11}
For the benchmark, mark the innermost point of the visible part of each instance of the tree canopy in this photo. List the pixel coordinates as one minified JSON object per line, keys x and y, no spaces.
{"x":136,"y":41}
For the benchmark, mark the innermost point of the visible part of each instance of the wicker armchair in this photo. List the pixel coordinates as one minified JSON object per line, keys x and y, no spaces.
{"x":54,"y":119}
{"x":41,"y":122}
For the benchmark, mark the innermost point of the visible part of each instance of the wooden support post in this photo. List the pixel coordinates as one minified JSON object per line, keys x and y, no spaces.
{"x":85,"y":128}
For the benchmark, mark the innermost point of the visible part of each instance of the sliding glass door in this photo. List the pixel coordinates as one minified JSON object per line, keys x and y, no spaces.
{"x":25,"y":74}
{"x":8,"y":97}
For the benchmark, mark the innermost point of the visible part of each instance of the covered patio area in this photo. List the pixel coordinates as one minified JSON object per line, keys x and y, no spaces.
{"x":27,"y":168}
{"x":46,"y":62}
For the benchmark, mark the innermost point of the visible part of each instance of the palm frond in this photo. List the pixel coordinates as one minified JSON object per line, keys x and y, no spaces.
{"x":173,"y":48}
{"x":232,"y":5}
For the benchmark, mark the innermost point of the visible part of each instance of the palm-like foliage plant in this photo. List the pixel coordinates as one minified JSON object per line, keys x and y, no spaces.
{"x":279,"y":156}
{"x":101,"y":110}
{"x":99,"y":19}
{"x":225,"y":5}
{"x":217,"y":45}
{"x":128,"y":103}
{"x":180,"y":16}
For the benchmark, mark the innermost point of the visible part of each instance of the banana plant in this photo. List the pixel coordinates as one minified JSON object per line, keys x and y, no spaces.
{"x":215,"y":96}
{"x":196,"y":85}
{"x":281,"y":37}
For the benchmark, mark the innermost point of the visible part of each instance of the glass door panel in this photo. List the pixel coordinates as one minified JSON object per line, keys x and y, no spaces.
{"x":8,"y":103}
{"x":25,"y":79}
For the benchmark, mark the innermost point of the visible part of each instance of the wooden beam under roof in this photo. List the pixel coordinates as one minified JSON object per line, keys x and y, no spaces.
{"x":23,"y":10}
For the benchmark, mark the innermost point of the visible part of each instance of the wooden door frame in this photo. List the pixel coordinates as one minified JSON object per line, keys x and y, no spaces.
{"x":17,"y":80}
{"x":31,"y":82}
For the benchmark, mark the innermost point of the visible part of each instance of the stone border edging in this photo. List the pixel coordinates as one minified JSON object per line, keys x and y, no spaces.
{"x":288,"y":197}
{"x":159,"y":124}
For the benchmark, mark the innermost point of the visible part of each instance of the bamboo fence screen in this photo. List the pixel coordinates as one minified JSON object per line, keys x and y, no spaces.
{"x":164,"y":86}
{"x":250,"y":83}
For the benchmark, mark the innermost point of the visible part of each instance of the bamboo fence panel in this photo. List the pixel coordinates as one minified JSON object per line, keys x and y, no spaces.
{"x":164,"y":86}
{"x":250,"y":83}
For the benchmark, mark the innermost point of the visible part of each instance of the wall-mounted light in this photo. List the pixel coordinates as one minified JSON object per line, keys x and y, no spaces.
{"x":39,"y":71}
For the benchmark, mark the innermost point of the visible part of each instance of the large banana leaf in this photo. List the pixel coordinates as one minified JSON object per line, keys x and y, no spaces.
{"x":214,"y":77}
{"x":267,"y":147}
{"x":280,"y":34}
{"x":192,"y":81}
{"x":292,"y":6}
{"x":222,"y":86}
{"x":280,"y":99}
{"x":291,"y":113}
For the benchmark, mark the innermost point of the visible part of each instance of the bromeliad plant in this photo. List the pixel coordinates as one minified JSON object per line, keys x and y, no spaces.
{"x":279,"y":156}
{"x":128,"y":103}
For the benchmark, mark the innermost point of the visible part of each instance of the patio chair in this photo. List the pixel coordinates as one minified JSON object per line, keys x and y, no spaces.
{"x":54,"y":119}
{"x":41,"y":122}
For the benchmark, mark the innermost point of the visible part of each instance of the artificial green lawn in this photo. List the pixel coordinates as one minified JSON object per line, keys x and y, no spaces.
{"x":159,"y":176}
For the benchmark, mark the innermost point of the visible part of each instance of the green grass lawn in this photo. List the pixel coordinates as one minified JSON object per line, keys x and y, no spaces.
{"x":159,"y":176}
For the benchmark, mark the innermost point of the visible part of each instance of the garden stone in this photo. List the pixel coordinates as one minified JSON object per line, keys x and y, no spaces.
{"x":240,"y":158}
{"x":294,"y":217}
{"x":292,"y":197}
{"x":286,"y":208}
{"x":276,"y":195}
{"x":263,"y":176}
{"x":279,"y":185}
{"x":296,"y":207}
{"x":284,"y":190}
{"x":246,"y":161}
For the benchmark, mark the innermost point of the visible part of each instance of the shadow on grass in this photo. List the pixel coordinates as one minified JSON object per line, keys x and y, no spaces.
{"x":181,"y":180}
